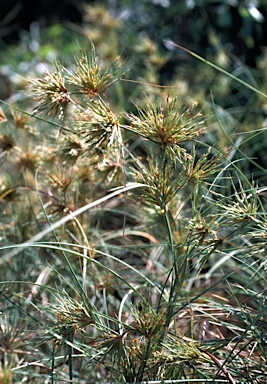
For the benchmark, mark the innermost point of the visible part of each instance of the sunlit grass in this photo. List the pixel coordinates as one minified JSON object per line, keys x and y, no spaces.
{"x":132,"y":243}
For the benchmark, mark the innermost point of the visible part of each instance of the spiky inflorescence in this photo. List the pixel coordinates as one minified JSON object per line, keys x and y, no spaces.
{"x":168,"y":125}
{"x":52,"y":93}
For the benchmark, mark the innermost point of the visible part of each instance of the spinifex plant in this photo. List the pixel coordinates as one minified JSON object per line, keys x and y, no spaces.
{"x":145,"y":259}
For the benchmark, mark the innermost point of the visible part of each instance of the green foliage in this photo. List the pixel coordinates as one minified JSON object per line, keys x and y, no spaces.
{"x":133,"y":239}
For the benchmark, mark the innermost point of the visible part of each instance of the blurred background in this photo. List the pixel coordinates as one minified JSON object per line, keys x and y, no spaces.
{"x":200,"y":25}
{"x":241,"y":25}
{"x":230,"y":33}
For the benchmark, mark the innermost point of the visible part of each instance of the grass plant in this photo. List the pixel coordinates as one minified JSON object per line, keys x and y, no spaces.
{"x":133,"y":244}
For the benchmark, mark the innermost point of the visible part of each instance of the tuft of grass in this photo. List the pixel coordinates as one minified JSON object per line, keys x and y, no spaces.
{"x":132,"y":245}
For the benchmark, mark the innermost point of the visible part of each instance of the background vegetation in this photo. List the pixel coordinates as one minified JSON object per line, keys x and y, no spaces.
{"x":133,"y":194}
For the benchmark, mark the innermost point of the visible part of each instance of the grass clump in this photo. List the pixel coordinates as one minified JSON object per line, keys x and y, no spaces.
{"x":133,"y":248}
